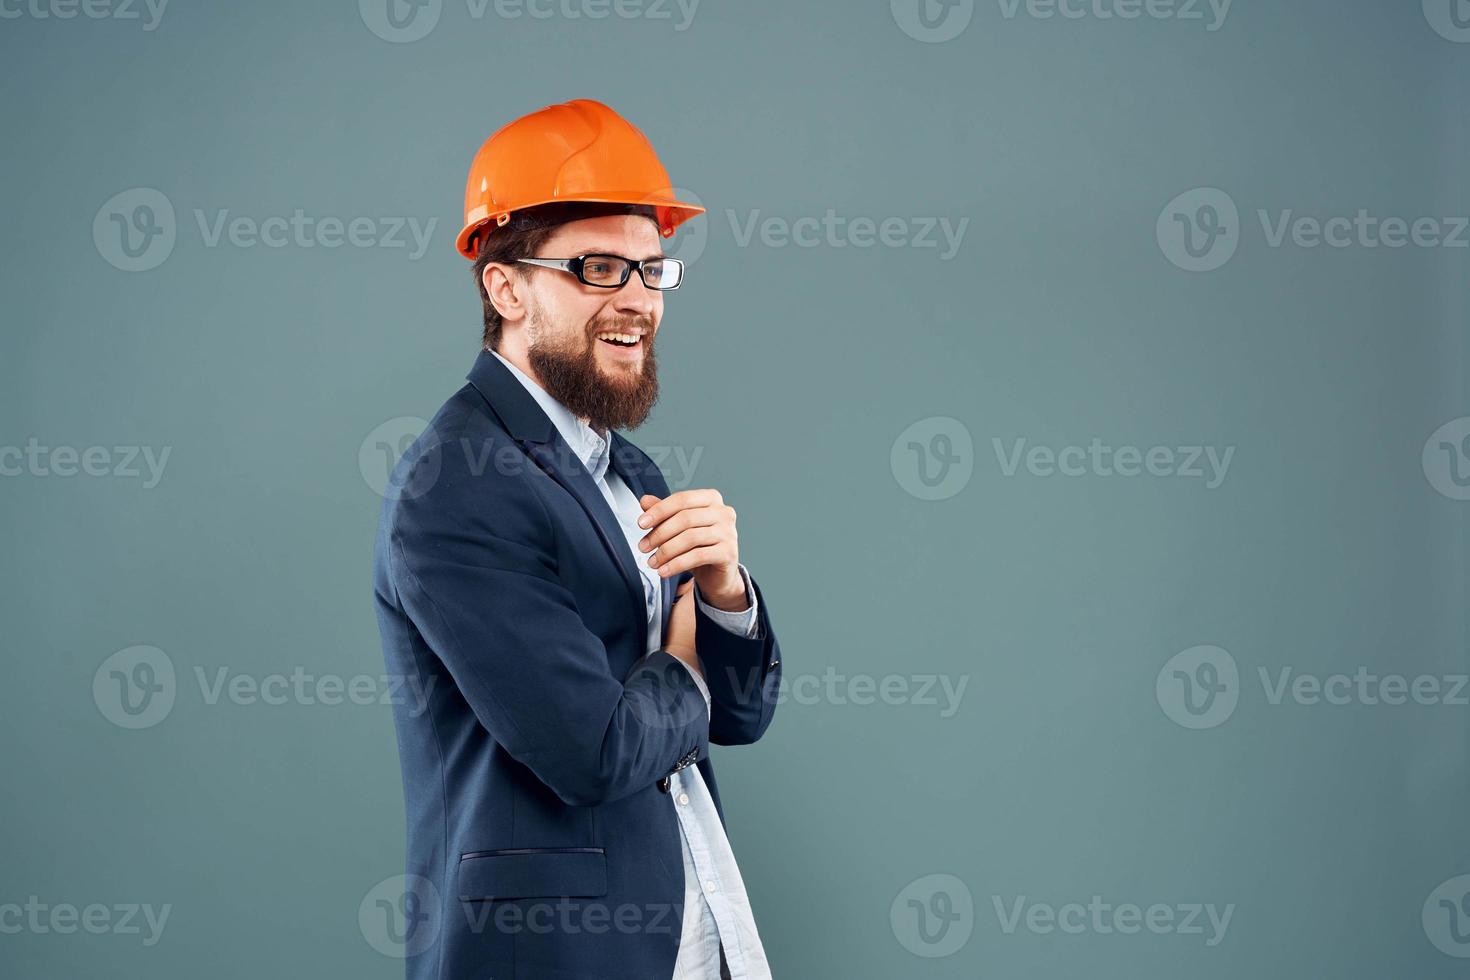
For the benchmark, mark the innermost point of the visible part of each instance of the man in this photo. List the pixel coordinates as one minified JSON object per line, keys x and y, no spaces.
{"x":584,"y":635}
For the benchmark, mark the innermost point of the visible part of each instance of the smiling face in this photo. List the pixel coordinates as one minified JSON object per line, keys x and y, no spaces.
{"x":590,"y":348}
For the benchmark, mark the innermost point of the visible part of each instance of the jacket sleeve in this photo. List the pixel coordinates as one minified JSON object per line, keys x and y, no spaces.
{"x":743,"y":675}
{"x":475,"y":569}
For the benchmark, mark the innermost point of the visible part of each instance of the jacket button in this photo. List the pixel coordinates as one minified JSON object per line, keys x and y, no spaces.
{"x":663,"y":785}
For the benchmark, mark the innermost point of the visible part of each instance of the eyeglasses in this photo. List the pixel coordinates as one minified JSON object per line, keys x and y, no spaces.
{"x":612,"y":271}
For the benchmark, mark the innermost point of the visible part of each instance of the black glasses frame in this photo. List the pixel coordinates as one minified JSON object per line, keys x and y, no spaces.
{"x":577,"y":265}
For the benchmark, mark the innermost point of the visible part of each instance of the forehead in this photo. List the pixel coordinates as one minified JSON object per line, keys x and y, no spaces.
{"x":624,"y":234}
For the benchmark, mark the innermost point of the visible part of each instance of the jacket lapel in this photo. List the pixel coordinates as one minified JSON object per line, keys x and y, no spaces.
{"x":642,"y":476}
{"x":529,"y":426}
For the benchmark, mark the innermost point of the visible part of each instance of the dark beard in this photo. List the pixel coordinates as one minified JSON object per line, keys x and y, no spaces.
{"x":572,"y":377}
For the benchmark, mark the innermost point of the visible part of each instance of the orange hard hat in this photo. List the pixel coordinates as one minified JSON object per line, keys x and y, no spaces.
{"x":576,"y":151}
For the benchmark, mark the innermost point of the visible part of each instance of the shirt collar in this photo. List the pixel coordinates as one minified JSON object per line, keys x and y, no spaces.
{"x":591,"y":448}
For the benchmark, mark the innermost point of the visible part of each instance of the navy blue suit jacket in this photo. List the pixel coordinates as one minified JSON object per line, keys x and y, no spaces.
{"x":542,"y":843}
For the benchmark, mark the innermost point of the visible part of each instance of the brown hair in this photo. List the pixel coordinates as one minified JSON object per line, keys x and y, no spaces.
{"x":522,"y":237}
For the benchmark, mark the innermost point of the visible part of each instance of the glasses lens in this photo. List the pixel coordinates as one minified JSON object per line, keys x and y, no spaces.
{"x":663,"y":273}
{"x":604,"y":270}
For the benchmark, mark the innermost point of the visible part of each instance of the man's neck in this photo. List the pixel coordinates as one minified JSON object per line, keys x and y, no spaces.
{"x":522,"y":364}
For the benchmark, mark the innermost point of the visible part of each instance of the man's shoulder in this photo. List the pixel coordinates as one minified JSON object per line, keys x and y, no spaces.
{"x":462,"y":455}
{"x":463,"y":416}
{"x":462,"y":483}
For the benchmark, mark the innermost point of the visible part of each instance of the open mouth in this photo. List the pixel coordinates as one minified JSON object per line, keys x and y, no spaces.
{"x":621,"y":341}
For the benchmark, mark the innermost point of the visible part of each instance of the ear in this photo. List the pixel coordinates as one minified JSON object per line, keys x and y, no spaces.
{"x":507,"y":291}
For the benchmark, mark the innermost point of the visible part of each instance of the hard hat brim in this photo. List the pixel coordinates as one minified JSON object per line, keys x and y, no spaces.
{"x":671,"y":214}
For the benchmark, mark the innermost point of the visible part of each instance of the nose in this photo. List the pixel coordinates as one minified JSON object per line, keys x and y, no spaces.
{"x":636,"y":299}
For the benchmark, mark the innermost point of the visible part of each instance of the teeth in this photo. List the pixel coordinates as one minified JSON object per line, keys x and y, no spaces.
{"x":626,"y":338}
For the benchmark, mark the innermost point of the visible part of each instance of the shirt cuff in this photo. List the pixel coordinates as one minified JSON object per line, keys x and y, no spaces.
{"x":699,"y":683}
{"x":741,"y":623}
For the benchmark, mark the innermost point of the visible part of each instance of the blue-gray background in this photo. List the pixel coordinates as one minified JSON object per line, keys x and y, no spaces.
{"x":1336,"y":834}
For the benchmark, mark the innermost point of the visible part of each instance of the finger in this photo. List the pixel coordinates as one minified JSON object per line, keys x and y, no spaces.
{"x":684,"y":589}
{"x":682,"y":521}
{"x":661,"y":510}
{"x":710,"y":555}
{"x":685,"y":540}
{"x":676,"y":502}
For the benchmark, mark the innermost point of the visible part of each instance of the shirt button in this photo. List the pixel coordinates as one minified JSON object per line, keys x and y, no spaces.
{"x":683,"y":799}
{"x":709,"y":886}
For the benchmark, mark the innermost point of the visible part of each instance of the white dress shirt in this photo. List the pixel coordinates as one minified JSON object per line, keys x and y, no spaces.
{"x":717,"y":913}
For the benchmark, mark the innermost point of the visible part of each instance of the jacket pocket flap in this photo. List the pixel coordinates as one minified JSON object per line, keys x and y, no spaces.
{"x":533,"y":872}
